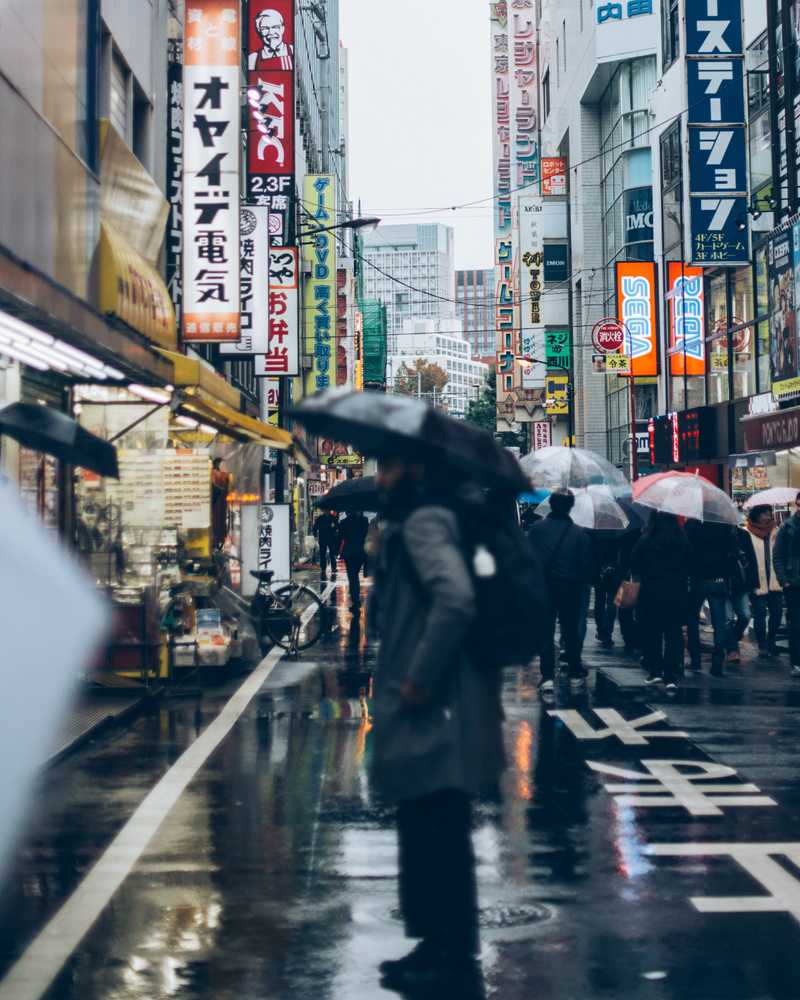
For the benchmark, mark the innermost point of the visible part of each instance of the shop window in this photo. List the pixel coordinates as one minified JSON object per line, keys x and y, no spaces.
{"x":717,"y":325}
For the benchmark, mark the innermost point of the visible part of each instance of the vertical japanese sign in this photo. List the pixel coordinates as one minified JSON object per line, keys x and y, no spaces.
{"x":542,"y":434}
{"x":283,"y":345}
{"x":253,"y":283}
{"x":717,"y":134}
{"x":211,"y":171}
{"x":558,"y":355}
{"x":174,"y":243}
{"x":783,"y":347}
{"x":531,"y":246}
{"x":524,"y":94}
{"x":320,"y":287}
{"x":270,"y":113}
{"x":636,"y":310}
{"x":274,"y":540}
{"x":506,"y":312}
{"x":554,"y":176}
{"x":687,"y":325}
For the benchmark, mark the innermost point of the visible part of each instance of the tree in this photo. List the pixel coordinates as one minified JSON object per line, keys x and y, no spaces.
{"x":482,"y":412}
{"x":423,"y":378}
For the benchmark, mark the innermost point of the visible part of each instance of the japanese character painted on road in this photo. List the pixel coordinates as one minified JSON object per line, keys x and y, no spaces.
{"x":631,"y":732}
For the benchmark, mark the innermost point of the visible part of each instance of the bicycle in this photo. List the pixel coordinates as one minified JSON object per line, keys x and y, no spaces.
{"x":292,"y":616}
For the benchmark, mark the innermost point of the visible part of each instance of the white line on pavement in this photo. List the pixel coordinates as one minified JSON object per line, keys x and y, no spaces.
{"x":33,"y":973}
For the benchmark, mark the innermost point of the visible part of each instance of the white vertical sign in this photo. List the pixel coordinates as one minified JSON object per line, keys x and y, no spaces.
{"x":253,"y":283}
{"x":282,"y":356}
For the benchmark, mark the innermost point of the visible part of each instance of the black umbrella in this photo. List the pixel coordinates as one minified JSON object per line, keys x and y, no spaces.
{"x":386,"y":426}
{"x":352,"y":494}
{"x":44,"y":429}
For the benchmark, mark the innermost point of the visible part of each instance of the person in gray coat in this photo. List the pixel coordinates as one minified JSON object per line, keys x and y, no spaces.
{"x":437,"y":737}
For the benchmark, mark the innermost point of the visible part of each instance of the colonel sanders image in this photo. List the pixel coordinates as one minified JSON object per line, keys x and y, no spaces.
{"x":275,"y":53}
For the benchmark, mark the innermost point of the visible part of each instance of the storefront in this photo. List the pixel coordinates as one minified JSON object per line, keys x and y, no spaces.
{"x":770,"y":454}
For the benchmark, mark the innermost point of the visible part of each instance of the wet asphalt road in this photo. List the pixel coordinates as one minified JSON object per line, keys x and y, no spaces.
{"x":274,"y":875}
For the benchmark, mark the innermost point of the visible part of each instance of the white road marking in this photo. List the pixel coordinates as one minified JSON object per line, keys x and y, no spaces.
{"x":627,"y":731}
{"x":783,"y":889}
{"x":36,"y":969}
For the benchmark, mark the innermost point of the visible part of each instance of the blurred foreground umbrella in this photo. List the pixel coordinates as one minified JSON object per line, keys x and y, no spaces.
{"x":352,"y":494}
{"x":44,"y":429}
{"x":52,"y":619}
{"x":573,"y":468}
{"x":400,"y":426}
{"x":778,"y":496}
{"x":595,"y":508}
{"x":686,"y":495}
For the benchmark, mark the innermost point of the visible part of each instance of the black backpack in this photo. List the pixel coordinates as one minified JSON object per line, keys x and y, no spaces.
{"x":512,"y":600}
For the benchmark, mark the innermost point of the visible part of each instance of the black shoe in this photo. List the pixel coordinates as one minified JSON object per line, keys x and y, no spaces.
{"x":562,"y":657}
{"x":425,"y":956}
{"x":450,"y":977}
{"x":607,"y":643}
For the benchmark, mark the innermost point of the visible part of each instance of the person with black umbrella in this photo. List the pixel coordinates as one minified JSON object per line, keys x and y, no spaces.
{"x":352,"y":537}
{"x":326,"y":531}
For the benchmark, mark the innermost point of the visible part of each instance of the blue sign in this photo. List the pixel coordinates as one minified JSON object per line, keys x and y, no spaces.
{"x":717,"y":236}
{"x":638,"y":206}
{"x":717,"y":159}
{"x":555,"y":262}
{"x":616,"y":11}
{"x":716,"y":91}
{"x":714,"y":28}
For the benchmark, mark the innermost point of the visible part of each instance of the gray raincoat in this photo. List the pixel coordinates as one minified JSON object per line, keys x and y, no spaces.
{"x":425,"y":608}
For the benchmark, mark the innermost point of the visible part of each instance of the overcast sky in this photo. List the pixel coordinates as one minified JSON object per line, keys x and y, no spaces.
{"x":420,"y":106}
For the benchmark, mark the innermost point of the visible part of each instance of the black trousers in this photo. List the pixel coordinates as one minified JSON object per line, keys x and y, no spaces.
{"x":767,"y":607}
{"x":793,"y":613}
{"x":565,"y":605}
{"x":328,"y":551}
{"x":353,"y":569}
{"x":662,"y":641}
{"x":604,"y":594}
{"x":438,"y":894}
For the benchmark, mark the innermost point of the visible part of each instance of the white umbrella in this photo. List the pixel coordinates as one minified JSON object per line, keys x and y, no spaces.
{"x":686,"y":495}
{"x":778,"y":496}
{"x":573,"y":468}
{"x":595,"y":508}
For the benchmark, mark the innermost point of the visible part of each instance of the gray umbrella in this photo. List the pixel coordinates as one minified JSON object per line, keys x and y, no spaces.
{"x":45,"y":429}
{"x":382,"y":426}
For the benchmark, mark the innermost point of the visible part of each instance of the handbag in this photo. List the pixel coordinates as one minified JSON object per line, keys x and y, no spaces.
{"x":628,"y":594}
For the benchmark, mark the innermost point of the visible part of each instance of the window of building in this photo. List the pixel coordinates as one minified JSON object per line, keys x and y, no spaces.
{"x":119,"y":96}
{"x":758,"y":112}
{"x":558,"y":63}
{"x":672,"y":191}
{"x":564,"y":42}
{"x":670,"y":33}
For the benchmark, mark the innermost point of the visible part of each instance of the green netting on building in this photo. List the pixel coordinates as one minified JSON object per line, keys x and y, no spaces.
{"x":375,"y":328}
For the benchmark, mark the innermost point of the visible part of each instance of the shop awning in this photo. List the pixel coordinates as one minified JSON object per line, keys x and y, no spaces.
{"x":212,"y":400}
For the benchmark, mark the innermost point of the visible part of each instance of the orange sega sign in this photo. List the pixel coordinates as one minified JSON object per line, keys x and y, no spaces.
{"x":687,"y":323}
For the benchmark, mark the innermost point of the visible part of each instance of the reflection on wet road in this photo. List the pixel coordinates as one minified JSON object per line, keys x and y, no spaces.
{"x":274,"y":876}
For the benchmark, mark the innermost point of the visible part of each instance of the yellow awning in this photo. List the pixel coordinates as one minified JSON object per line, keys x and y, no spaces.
{"x":212,"y":400}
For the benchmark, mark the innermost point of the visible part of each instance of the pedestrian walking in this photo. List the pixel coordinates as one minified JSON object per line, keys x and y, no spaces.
{"x":787,"y":569}
{"x":352,"y":538}
{"x":661,"y":563}
{"x":714,"y":549}
{"x":742,"y":581}
{"x":326,"y":531}
{"x":766,"y":597}
{"x":565,"y":552}
{"x":437,"y":728}
{"x":605,"y":552}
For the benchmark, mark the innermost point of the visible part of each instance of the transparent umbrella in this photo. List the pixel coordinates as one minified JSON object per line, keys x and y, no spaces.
{"x":573,"y":468}
{"x":778,"y":496}
{"x":595,"y":508}
{"x":686,"y":495}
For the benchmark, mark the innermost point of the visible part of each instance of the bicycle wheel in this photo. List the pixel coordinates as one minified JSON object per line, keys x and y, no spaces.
{"x":299,"y":609}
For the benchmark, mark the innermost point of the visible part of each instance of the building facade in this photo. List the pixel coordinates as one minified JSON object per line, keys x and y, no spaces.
{"x":412,"y":272}
{"x":475,"y":305}
{"x":440,"y":342}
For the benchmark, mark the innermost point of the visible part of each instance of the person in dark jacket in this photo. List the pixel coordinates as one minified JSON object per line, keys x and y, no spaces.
{"x":352,"y":537}
{"x":714,"y":548}
{"x":566,"y":554}
{"x":326,"y":531}
{"x":766,"y":596}
{"x":660,"y":561}
{"x":743,"y":580}
{"x":437,"y":736}
{"x":787,"y":569}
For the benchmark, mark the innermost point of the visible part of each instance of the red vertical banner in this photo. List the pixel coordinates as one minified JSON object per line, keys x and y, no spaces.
{"x":636,"y":310}
{"x":687,"y":321}
{"x":270,"y":112}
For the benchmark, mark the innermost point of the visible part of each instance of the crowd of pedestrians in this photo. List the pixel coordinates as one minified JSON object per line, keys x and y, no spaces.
{"x":343,"y":539}
{"x":681,"y":570}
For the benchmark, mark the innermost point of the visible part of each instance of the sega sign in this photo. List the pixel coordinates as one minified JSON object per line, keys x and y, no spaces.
{"x":636,"y":309}
{"x":687,"y":327}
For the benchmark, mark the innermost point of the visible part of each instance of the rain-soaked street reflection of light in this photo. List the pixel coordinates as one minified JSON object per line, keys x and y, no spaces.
{"x":523,"y":745}
{"x":629,"y":843}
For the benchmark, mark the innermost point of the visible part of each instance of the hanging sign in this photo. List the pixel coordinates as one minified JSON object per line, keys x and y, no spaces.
{"x":541,"y":434}
{"x":687,"y":328}
{"x":554,"y":176}
{"x":211,"y":171}
{"x":718,"y":194}
{"x":283,"y":348}
{"x":319,"y":193}
{"x":174,"y":240}
{"x":636,"y":309}
{"x":253,"y":283}
{"x":608,"y":335}
{"x":270,"y":113}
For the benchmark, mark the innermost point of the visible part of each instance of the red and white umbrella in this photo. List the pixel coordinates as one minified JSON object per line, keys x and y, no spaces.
{"x":685,"y":494}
